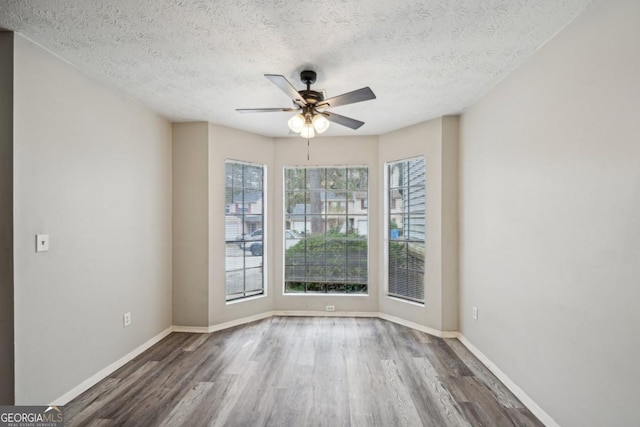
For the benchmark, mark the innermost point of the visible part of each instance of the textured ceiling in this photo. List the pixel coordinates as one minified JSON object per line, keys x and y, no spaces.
{"x":202,"y":59}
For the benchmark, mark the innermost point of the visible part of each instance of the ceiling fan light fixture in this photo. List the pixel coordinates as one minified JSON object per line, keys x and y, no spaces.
{"x":307,"y":131}
{"x":296,"y":123}
{"x":320,"y":123}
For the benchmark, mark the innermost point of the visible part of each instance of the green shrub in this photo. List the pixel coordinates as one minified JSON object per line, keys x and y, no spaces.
{"x":332,"y":262}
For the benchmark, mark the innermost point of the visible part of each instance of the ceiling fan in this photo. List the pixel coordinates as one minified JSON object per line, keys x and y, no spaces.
{"x":312,"y":113}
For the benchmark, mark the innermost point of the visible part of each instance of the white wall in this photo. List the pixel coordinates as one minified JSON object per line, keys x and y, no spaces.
{"x":550,"y":211}
{"x":437,"y":141}
{"x":92,"y":169}
{"x":326,"y":151}
{"x":6,"y":218}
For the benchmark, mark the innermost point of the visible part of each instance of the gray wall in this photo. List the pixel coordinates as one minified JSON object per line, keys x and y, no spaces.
{"x":550,"y":221}
{"x":437,"y":141}
{"x":226,"y":143}
{"x":190,"y":224}
{"x":199,"y":153}
{"x":92,"y":169}
{"x":6,"y":218}
{"x":450,"y":226}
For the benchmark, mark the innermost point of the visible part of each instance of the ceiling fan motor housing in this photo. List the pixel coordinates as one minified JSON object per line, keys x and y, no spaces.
{"x":308,"y":77}
{"x":312,"y":97}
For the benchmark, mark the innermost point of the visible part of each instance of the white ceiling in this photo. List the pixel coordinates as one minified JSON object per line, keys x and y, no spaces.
{"x":202,"y":59}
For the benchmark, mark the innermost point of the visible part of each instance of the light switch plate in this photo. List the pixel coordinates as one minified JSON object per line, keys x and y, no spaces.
{"x":42,"y":242}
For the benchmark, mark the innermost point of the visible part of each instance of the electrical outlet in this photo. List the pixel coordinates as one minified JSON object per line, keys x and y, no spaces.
{"x":42,"y":242}
{"x":331,"y":308}
{"x":126,"y":319}
{"x":475,"y":313}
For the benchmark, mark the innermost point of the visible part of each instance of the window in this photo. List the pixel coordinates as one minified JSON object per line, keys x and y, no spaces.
{"x":244,"y":225}
{"x":406,"y":213}
{"x":324,"y":211}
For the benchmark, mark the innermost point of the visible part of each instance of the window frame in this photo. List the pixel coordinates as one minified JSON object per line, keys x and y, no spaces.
{"x":389,"y":205}
{"x":264,"y":228}
{"x":344,"y":203}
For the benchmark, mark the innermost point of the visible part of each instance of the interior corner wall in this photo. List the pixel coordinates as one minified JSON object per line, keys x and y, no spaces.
{"x":232,"y":144}
{"x":436,"y":140}
{"x":550,"y":209}
{"x":190,"y":223}
{"x":450,"y":225}
{"x":326,"y":151}
{"x":6,"y":219}
{"x":93,"y":170}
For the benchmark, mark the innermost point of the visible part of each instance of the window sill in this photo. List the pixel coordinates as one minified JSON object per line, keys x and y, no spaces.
{"x":251,"y":298}
{"x":418,"y":304}
{"x":318,"y":294}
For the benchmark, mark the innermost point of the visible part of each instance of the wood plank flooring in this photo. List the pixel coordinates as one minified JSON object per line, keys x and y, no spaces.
{"x":302,"y":371}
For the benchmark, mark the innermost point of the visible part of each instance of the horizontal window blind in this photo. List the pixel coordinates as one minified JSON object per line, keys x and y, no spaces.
{"x":406,"y":214}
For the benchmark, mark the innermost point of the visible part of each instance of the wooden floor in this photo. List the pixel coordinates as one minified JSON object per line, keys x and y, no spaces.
{"x":296,"y":371}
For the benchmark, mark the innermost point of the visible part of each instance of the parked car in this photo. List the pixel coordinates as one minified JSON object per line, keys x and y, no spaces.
{"x":245,"y":241}
{"x":291,"y":238}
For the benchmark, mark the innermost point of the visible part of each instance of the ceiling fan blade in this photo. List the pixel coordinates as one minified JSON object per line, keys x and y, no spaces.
{"x":264,"y":110}
{"x":342,"y":120}
{"x":359,"y":95}
{"x":287,"y":88}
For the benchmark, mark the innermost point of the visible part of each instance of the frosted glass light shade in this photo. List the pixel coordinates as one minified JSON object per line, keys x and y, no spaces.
{"x":296,"y":123}
{"x":321,"y":123}
{"x":307,"y":131}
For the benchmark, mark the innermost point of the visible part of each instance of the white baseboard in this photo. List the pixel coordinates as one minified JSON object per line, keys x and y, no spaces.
{"x":238,"y":322}
{"x":221,"y":326}
{"x":191,"y":329}
{"x":517,"y":391}
{"x":419,"y":327}
{"x":104,"y":373}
